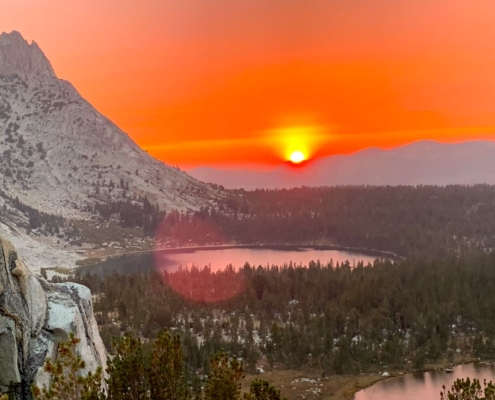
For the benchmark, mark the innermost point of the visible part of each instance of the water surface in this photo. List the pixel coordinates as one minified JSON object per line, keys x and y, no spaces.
{"x":219,"y":258}
{"x":423,"y":386}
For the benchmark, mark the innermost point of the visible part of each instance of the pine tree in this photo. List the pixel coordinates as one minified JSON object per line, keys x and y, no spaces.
{"x":126,"y":372}
{"x":465,"y":389}
{"x":66,"y":381}
{"x":262,"y":390}
{"x":223,"y":383}
{"x":167,"y":372}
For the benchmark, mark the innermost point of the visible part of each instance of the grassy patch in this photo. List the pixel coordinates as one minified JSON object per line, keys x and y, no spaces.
{"x":98,"y":234}
{"x":88,"y":261}
{"x":310,"y":384}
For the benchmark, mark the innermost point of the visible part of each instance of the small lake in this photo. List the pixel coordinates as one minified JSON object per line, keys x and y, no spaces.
{"x":218,"y":258}
{"x":424,"y":386}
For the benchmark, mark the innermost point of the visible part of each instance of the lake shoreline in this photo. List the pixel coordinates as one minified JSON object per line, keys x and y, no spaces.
{"x":394,"y":374}
{"x":269,"y":246}
{"x":295,"y":383}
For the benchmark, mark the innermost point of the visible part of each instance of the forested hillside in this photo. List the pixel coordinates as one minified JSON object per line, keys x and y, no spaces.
{"x":433,"y":304}
{"x":340,"y":319}
{"x":427,"y":222}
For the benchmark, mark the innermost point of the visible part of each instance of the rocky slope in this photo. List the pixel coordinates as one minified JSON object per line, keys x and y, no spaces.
{"x":58,"y":154}
{"x":34,"y":315}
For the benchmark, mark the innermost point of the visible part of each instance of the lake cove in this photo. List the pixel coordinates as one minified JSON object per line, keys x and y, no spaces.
{"x":424,"y":386}
{"x":220,"y":257}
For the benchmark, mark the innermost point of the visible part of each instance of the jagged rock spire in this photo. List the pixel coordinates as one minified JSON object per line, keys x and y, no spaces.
{"x":19,"y":57}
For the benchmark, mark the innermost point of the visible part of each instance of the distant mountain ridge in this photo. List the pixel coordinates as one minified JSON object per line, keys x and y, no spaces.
{"x":58,"y":154}
{"x":419,"y":163}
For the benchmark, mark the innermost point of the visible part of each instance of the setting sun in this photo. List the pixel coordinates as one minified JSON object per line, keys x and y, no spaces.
{"x":297,"y":157}
{"x":296,"y":143}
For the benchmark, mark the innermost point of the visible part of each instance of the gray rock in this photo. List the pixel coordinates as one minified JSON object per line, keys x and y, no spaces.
{"x":34,"y":316}
{"x":17,"y":58}
{"x":8,"y":352}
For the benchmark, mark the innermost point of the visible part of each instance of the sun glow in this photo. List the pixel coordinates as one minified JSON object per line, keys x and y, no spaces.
{"x":297,"y":157}
{"x":297,"y":143}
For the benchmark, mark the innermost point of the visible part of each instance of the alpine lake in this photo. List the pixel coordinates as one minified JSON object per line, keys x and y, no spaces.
{"x":219,"y":257}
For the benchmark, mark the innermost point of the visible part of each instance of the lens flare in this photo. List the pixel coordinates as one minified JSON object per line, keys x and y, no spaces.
{"x":188,"y":233}
{"x":204,"y":285}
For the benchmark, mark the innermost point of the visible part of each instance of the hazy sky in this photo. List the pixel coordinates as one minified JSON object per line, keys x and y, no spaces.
{"x":229,"y":82}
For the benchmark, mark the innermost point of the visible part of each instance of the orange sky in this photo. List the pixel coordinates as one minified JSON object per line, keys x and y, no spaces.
{"x":228,"y":82}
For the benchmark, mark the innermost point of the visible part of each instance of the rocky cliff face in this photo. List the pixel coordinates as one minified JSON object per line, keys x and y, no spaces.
{"x":58,"y":154}
{"x":34,"y":316}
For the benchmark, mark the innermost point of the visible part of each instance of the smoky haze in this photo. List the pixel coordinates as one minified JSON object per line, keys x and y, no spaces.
{"x":421,"y":163}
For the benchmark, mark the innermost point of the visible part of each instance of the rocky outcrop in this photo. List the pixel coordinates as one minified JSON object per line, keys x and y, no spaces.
{"x":19,"y":57}
{"x":34,"y":316}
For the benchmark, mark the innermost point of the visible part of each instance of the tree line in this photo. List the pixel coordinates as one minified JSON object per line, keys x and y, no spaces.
{"x":426,"y":222}
{"x":139,"y":213}
{"x":133,"y":375}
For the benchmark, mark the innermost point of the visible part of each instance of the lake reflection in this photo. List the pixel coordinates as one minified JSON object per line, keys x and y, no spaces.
{"x":218,"y":259}
{"x":426,"y":386}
